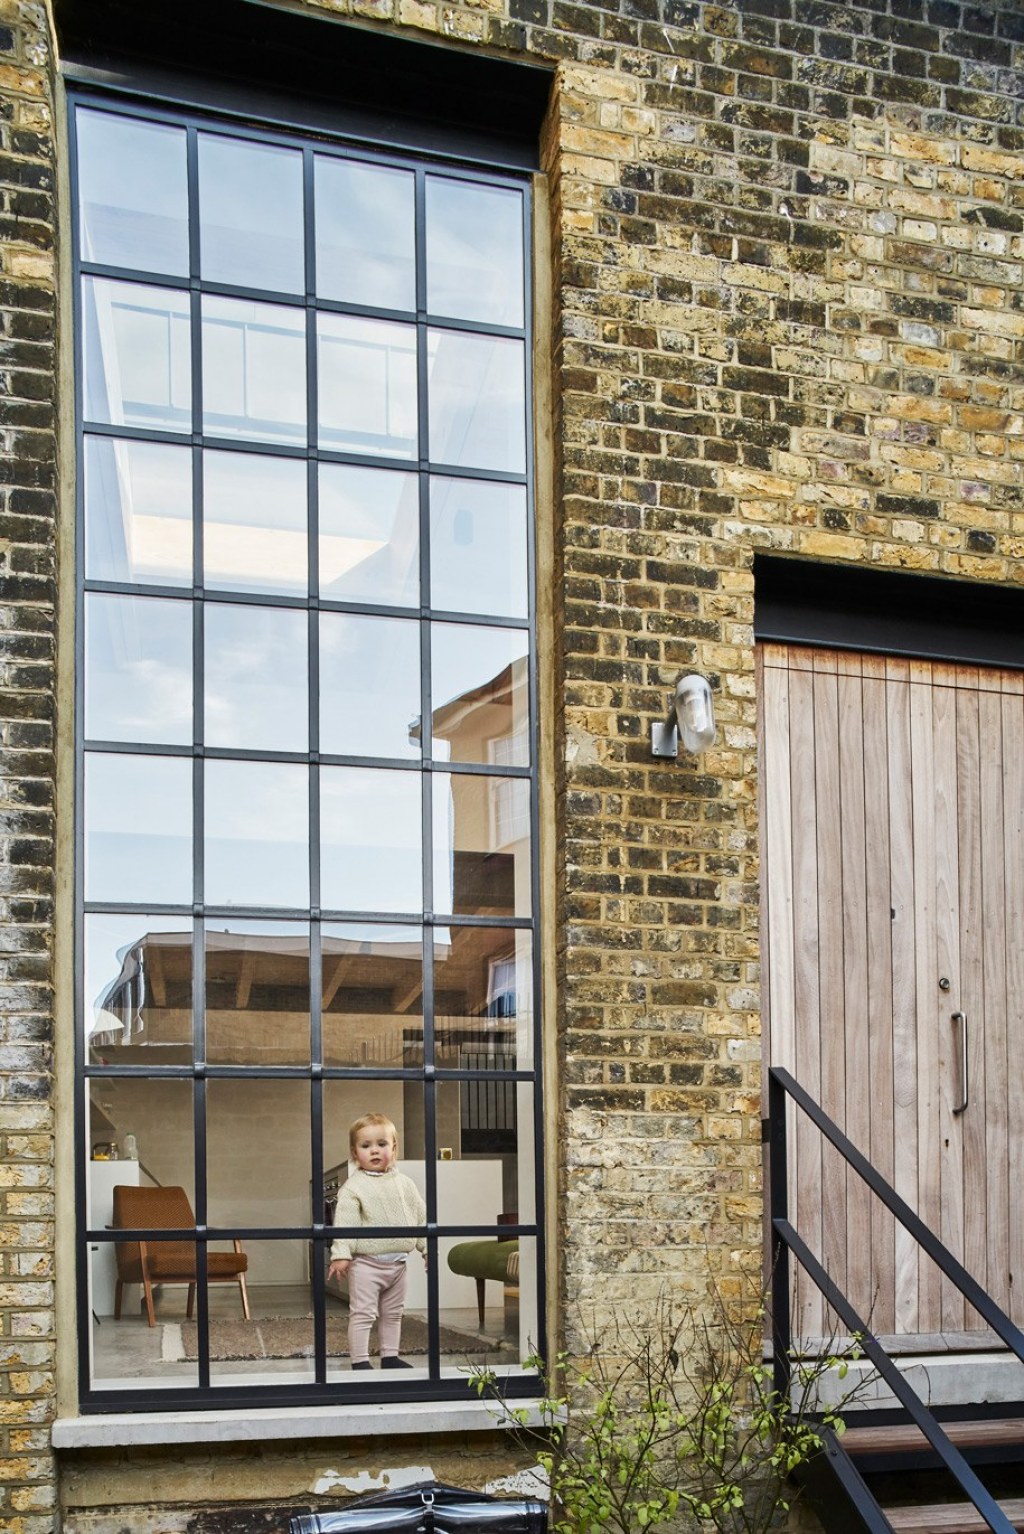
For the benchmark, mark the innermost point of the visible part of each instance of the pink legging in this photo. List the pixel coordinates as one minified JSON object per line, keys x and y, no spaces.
{"x":376,"y":1292}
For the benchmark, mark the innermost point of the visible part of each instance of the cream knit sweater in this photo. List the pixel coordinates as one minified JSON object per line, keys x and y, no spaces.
{"x":378,"y":1198}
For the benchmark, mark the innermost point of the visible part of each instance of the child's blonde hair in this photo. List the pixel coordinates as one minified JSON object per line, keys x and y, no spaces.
{"x":367,"y":1121}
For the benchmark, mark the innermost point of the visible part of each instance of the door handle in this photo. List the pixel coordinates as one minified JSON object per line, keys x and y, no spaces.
{"x":965,"y":1080}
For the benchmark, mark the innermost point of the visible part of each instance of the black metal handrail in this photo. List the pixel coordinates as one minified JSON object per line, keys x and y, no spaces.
{"x":785,"y":1240}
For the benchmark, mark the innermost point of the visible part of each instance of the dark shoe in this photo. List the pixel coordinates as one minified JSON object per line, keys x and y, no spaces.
{"x":395,"y":1363}
{"x":366,"y":1364}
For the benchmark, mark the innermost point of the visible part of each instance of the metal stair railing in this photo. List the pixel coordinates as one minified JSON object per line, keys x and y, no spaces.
{"x":786,"y":1240}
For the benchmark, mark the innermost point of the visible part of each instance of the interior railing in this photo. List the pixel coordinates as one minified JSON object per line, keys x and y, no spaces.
{"x":785,"y":1240}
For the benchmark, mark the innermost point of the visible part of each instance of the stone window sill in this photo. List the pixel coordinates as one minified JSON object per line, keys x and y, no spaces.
{"x":134,"y":1429}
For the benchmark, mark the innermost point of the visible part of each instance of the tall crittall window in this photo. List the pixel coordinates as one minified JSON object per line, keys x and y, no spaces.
{"x":307,"y":810}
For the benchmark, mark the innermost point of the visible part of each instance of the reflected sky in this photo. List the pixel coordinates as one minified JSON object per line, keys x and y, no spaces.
{"x":133,"y":193}
{"x":255,"y":523}
{"x":365,"y":234}
{"x":250,"y":214}
{"x":369,"y":535}
{"x":474,"y":251}
{"x":138,"y":679}
{"x":257,"y":834}
{"x":257,"y":681}
{"x":371,"y":840}
{"x":478,"y":547}
{"x":138,"y":828}
{"x":369,"y":686}
{"x":477,"y":401}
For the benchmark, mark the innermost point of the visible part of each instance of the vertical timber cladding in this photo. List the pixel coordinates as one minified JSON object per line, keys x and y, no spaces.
{"x":27,"y":604}
{"x":787,"y":278}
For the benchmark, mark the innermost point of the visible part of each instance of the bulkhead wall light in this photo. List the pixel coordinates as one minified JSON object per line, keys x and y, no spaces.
{"x":691,"y":717}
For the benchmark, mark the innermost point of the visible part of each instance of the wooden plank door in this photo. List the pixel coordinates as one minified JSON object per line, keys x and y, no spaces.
{"x":893,"y":903}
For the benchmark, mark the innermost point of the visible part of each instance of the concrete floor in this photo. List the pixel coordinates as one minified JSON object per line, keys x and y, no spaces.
{"x":131,"y":1353}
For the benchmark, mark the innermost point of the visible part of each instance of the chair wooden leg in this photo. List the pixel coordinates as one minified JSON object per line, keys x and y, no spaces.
{"x":118,"y":1292}
{"x":147,"y":1287}
{"x":190,"y":1303}
{"x":245,"y":1297}
{"x":480,"y":1301}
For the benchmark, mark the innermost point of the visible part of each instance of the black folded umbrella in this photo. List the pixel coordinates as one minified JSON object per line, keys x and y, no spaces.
{"x":431,"y":1508}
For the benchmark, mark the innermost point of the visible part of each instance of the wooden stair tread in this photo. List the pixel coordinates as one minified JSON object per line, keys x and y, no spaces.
{"x":906,"y":1437}
{"x":950,"y":1517}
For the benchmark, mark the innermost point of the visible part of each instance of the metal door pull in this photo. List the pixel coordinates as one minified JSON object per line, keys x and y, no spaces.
{"x":961,"y":1018}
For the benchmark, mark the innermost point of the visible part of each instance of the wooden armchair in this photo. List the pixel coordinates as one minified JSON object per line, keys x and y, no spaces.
{"x":167,"y":1262}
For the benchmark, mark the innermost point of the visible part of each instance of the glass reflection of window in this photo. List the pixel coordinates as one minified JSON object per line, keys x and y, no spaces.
{"x":306,"y":880}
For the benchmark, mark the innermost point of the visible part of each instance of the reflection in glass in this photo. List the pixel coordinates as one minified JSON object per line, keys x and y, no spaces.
{"x":138,"y":828}
{"x":138,"y":669}
{"x":258,"y":1166}
{"x":256,"y":677}
{"x":480,"y":694}
{"x":257,"y":834}
{"x":136,"y":356}
{"x":254,"y":523}
{"x":478,"y":550}
{"x":369,"y":686}
{"x":487,"y":1126}
{"x":500,"y":1313}
{"x":370,"y":840}
{"x":132,"y":193}
{"x":254,"y":370}
{"x":137,"y":994}
{"x":369,"y":535}
{"x":372,"y":1004}
{"x":257,"y":992}
{"x":250,"y":212}
{"x":367,"y":385}
{"x":474,"y":251}
{"x":477,"y":401}
{"x":481,"y":845}
{"x":365,"y":234}
{"x":483,"y":999}
{"x":138,"y":512}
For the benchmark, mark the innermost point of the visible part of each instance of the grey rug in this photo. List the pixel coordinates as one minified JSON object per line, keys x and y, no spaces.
{"x":292,"y":1337}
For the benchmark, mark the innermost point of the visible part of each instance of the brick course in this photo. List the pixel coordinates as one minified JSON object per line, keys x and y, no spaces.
{"x":788,"y":251}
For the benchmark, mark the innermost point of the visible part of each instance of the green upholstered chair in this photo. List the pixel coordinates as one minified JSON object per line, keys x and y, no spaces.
{"x":494,"y":1261}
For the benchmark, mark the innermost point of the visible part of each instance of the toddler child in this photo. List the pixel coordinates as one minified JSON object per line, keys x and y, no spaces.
{"x":376,"y":1193}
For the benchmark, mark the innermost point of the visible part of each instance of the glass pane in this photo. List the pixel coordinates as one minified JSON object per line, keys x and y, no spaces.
{"x":153,"y":1188}
{"x":508,"y":1334}
{"x":276,"y":1347}
{"x":480,"y":694}
{"x":477,"y":396}
{"x":138,"y":828}
{"x":474,"y":252}
{"x":257,"y":993}
{"x":128,"y":1353}
{"x":483,"y":998}
{"x":372,"y":1004}
{"x":137,"y":999}
{"x":401,"y":1105}
{"x":365,"y":234}
{"x":136,"y":354}
{"x":258,"y":1163}
{"x":481,"y":845}
{"x":138,"y":669}
{"x":478,"y":549}
{"x":250,"y":214}
{"x":254,"y":523}
{"x":369,"y":535}
{"x":369,"y":686}
{"x":138,"y":512}
{"x":254,"y":370}
{"x":367,"y":386}
{"x":256,"y":662}
{"x":132,"y":193}
{"x":485,"y":1152}
{"x":370,"y":840}
{"x":257,"y":834}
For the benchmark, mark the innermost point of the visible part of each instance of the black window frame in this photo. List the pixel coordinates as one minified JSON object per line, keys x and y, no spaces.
{"x":202,"y":116}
